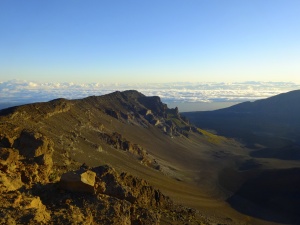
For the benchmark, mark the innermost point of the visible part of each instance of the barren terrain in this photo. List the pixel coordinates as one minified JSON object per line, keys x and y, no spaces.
{"x":209,"y":179}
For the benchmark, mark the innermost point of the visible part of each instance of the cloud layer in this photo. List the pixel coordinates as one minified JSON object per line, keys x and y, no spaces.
{"x":16,"y":91}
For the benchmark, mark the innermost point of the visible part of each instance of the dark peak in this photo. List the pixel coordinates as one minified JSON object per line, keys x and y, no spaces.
{"x":58,"y":100}
{"x":154,"y":104}
{"x":132,"y":94}
{"x":125,"y":94}
{"x":132,"y":100}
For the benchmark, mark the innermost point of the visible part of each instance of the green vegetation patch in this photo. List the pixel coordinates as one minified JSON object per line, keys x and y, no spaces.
{"x":212,"y":138}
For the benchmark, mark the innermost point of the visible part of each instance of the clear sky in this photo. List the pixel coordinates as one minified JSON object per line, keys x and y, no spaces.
{"x":129,"y":41}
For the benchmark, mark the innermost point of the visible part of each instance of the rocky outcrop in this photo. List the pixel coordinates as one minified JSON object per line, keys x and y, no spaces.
{"x":33,"y":144}
{"x":154,"y":104}
{"x":28,"y":162}
{"x":126,"y":187}
{"x":134,"y":108}
{"x":117,"y":199}
{"x":58,"y":106}
{"x":18,"y":208}
{"x":26,"y":165}
{"x":117,"y":141}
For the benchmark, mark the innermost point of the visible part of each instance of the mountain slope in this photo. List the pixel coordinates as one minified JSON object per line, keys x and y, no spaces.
{"x":132,"y":133}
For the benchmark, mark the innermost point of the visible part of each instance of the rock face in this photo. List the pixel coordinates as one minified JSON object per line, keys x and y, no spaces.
{"x":26,"y":163}
{"x":117,"y":141}
{"x":154,"y":104}
{"x":116,"y":199}
{"x":126,"y":187}
{"x":133,"y":107}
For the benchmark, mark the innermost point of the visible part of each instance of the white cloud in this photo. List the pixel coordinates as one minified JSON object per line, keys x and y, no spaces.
{"x":26,"y":91}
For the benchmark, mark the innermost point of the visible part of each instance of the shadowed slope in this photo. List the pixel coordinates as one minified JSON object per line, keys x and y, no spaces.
{"x":271,"y":191}
{"x":272,"y":122}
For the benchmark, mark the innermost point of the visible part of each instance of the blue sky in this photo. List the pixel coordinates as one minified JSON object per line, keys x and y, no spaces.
{"x":150,"y":41}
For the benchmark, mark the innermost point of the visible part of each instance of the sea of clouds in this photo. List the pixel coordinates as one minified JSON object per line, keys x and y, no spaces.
{"x":17,"y":91}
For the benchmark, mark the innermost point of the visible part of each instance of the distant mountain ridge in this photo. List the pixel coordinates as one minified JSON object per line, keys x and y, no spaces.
{"x":285,"y":103}
{"x":272,"y":122}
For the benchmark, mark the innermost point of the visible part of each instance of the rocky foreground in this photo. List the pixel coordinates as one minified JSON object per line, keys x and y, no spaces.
{"x":33,"y":193}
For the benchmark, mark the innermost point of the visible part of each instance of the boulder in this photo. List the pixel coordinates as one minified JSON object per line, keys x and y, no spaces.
{"x":32,"y":144}
{"x":78,"y":181}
